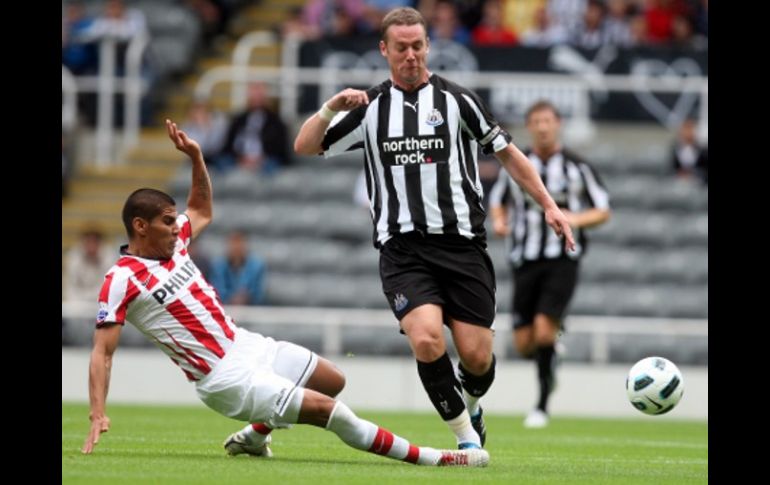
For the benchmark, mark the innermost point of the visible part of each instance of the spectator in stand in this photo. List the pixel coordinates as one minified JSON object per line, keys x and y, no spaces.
{"x":257,"y":139}
{"x":122,"y":23}
{"x":545,"y":33}
{"x":491,"y":31}
{"x":375,"y":10}
{"x":689,"y":159}
{"x":519,"y":15}
{"x":589,"y":35}
{"x":238,"y":276}
{"x":318,"y":18}
{"x":212,"y":16}
{"x":567,"y":15}
{"x":638,"y":29}
{"x":343,"y":24}
{"x":86,"y":265}
{"x":682,"y":35}
{"x":77,"y":53}
{"x":446,"y":24}
{"x":209,"y":127}
{"x":659,"y":15}
{"x":617,"y":30}
{"x":702,"y":18}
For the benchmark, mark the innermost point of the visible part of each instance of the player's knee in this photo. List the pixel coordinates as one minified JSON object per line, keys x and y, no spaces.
{"x":316,"y":408}
{"x":477,"y":361}
{"x":336,"y":382}
{"x":427,"y":348}
{"x":545,"y":336}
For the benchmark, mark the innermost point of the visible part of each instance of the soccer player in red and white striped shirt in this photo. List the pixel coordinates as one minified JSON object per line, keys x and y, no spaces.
{"x":243,"y":375}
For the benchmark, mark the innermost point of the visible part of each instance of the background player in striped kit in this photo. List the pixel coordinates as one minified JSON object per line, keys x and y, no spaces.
{"x":544,"y":273}
{"x":243,"y":375}
{"x":420,"y":134}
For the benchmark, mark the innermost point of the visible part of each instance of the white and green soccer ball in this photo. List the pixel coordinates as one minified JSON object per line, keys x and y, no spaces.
{"x":654,"y":385}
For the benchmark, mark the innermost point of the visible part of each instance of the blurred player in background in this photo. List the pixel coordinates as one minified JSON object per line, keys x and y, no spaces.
{"x":544,"y":273}
{"x":240,"y":374}
{"x":420,"y":134}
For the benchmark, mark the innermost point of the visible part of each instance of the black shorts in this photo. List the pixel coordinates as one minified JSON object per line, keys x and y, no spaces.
{"x":445,"y":269}
{"x":543,"y":286}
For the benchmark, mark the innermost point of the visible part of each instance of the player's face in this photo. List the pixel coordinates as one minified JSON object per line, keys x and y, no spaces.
{"x":406,"y":49}
{"x":543,"y":126}
{"x":162,"y":233}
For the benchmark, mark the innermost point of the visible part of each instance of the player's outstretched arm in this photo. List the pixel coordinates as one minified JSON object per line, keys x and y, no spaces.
{"x":522,"y":171}
{"x":106,"y":340}
{"x":311,"y":135}
{"x":200,"y":205}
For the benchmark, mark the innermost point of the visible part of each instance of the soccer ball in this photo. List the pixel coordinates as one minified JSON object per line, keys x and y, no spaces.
{"x":654,"y":385}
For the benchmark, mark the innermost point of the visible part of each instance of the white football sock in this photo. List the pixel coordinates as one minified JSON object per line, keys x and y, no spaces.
{"x":463,"y":429}
{"x":367,"y":436}
{"x":256,"y":436}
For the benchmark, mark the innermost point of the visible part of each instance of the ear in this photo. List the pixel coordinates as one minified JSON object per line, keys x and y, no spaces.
{"x":140,"y":226}
{"x":383,"y":49}
{"x":427,"y":44}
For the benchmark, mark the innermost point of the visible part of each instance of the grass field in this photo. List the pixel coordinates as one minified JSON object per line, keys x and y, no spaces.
{"x":157,"y":444}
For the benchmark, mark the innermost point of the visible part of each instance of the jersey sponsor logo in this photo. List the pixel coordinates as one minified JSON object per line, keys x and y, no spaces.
{"x":410,"y":150}
{"x":410,"y":105}
{"x":434,"y":118}
{"x":177,"y":279}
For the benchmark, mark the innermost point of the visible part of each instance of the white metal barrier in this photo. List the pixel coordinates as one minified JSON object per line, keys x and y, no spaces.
{"x":332,"y":321}
{"x":106,"y":84}
{"x":69,"y":105}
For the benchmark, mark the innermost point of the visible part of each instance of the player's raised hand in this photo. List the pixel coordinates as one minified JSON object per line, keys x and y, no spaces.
{"x":99,"y":425}
{"x":182,"y":142}
{"x":348,"y":99}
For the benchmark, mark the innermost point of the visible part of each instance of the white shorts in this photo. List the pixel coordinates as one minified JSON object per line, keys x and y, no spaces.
{"x":259,"y":380}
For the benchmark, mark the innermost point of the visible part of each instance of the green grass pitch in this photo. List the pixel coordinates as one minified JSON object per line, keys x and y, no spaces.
{"x":177,"y":444}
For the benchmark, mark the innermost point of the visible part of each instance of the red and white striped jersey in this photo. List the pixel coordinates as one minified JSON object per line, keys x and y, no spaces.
{"x":172,"y":304}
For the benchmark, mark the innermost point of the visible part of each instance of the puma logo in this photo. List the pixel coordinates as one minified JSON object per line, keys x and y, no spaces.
{"x":413,"y":106}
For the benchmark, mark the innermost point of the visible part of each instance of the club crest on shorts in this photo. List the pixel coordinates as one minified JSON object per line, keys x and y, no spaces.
{"x":434,"y":118}
{"x":101,"y":315}
{"x":400,"y":302}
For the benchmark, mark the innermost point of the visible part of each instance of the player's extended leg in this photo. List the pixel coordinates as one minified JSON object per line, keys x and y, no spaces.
{"x":424,"y":327}
{"x":302,"y":367}
{"x":546,"y":331}
{"x":542,"y":337}
{"x":476,"y":368}
{"x":255,"y":438}
{"x":321,"y":410}
{"x":524,"y":341}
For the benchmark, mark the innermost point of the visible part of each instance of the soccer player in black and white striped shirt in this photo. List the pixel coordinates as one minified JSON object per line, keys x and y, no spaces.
{"x":544,"y":274}
{"x":420,"y":134}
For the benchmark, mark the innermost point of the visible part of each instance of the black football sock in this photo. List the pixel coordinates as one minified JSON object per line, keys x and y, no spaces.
{"x":545,"y":377}
{"x":443,"y":388}
{"x":476,"y":386}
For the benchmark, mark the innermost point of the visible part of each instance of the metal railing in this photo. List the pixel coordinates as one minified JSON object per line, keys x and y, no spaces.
{"x":334,"y":320}
{"x":106,"y":84}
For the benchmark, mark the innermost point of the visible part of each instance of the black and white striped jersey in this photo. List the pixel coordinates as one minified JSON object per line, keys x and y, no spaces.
{"x":420,"y":153}
{"x":574,"y":185}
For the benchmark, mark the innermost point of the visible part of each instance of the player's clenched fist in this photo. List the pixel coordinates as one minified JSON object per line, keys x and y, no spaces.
{"x":348,"y":99}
